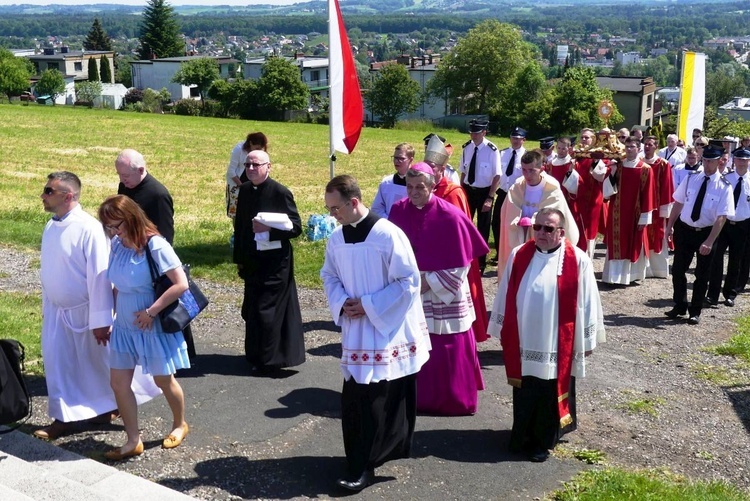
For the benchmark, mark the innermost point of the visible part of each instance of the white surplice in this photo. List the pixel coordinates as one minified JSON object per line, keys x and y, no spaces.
{"x":76,"y":298}
{"x":391,"y":340}
{"x":537,"y":305}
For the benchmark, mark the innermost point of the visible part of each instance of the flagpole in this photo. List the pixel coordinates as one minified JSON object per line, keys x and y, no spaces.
{"x":331,"y":150}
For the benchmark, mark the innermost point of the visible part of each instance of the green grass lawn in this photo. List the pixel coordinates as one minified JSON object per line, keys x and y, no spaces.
{"x":189,"y":155}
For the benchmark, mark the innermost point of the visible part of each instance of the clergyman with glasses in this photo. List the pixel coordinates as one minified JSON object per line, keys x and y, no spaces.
{"x":266,"y":221}
{"x":393,"y":186}
{"x":77,"y":303}
{"x":544,"y":354}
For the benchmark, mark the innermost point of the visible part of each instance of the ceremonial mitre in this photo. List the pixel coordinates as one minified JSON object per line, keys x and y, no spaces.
{"x":436,"y":152}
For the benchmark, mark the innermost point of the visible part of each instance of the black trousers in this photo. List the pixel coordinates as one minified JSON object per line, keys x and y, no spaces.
{"x":377,"y":421}
{"x":476,"y":198}
{"x":687,"y":242}
{"x":536,"y":417}
{"x":188,"y":335}
{"x":744,"y":273}
{"x":733,"y":237}
{"x":501,"y":194}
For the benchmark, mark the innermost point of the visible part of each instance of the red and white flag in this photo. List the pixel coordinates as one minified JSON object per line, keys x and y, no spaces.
{"x":346,"y":111}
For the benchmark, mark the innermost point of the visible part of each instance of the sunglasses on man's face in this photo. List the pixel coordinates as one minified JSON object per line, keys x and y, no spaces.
{"x":48,"y":190}
{"x":547,"y":229}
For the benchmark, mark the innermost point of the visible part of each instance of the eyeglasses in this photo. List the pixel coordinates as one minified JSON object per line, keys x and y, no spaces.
{"x":48,"y":190}
{"x":547,"y":229}
{"x":399,"y":159}
{"x":335,"y":210}
{"x":114,"y":227}
{"x":254,"y":165}
{"x":622,"y":137}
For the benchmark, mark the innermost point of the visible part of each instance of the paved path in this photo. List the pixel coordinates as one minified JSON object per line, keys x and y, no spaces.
{"x":280,"y":438}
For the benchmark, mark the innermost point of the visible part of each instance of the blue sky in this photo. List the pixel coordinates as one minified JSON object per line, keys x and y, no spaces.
{"x":143,"y":2}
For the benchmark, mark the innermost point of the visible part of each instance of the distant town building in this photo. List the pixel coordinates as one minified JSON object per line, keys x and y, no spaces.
{"x":562,"y":53}
{"x":737,"y":108}
{"x":313,"y":72}
{"x":74,"y":64}
{"x":157,"y":74}
{"x":634,"y":97}
{"x":628,"y":58}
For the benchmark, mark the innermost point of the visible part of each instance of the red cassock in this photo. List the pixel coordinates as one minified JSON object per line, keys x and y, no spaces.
{"x":635,"y":196}
{"x":589,"y":200}
{"x":454,"y":194}
{"x":663,"y":190}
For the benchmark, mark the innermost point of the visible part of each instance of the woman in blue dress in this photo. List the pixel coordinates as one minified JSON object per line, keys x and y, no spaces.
{"x":137,"y":337}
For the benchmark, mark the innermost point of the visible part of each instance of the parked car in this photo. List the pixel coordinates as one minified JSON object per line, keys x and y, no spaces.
{"x":27,"y":96}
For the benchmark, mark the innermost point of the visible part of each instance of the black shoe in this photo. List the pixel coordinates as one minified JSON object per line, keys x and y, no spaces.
{"x":364,"y":480}
{"x":539,"y":456}
{"x":713,"y":303}
{"x":694,"y":319}
{"x":729,"y":301}
{"x":675,"y":312}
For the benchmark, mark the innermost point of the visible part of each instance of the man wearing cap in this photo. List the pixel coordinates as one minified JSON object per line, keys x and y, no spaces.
{"x":480,"y":178}
{"x":393,"y":186}
{"x":436,"y":157}
{"x":510,"y":166}
{"x":661,"y":169}
{"x":547,"y":145}
{"x":691,"y":166}
{"x":449,"y":171}
{"x":673,"y":153}
{"x":733,"y":236}
{"x":629,"y":188}
{"x":702,"y":204}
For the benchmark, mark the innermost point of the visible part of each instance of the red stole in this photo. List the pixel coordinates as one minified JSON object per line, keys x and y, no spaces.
{"x":567,"y":290}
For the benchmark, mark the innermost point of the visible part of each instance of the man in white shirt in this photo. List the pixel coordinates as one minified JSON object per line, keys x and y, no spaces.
{"x":734,"y":234}
{"x":673,"y":153}
{"x":371,"y":280}
{"x":702,"y":204}
{"x":510,"y":166}
{"x":691,"y":166}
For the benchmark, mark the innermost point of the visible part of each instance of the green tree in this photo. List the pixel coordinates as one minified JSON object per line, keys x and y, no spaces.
{"x":527,"y":102}
{"x":93,"y":70}
{"x":201,"y":72}
{"x":392,"y":94}
{"x":88,"y":91}
{"x":51,"y":83}
{"x":160,"y":32}
{"x":97,"y":38}
{"x":576,"y":101}
{"x":123,"y":73}
{"x":280,"y":88}
{"x":481,"y":67}
{"x":105,"y":72}
{"x":14,"y":74}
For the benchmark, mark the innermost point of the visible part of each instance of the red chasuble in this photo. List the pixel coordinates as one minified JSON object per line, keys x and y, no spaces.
{"x":589,"y":199}
{"x":567,"y":290}
{"x":635,"y":195}
{"x":663,"y":190}
{"x":453,"y":193}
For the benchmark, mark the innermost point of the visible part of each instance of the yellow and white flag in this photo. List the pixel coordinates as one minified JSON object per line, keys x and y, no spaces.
{"x":692,"y":95}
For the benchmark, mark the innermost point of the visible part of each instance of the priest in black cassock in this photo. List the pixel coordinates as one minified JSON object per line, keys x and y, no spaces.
{"x":153,"y":197}
{"x":266,"y":221}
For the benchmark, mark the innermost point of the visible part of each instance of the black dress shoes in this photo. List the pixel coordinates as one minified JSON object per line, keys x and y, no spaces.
{"x":675,"y":312}
{"x":539,"y":456}
{"x":729,"y":301}
{"x":711,"y":302}
{"x":364,"y":480}
{"x":694,"y":320}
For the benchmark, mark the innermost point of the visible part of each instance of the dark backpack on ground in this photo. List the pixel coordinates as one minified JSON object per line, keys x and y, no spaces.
{"x":15,"y":402}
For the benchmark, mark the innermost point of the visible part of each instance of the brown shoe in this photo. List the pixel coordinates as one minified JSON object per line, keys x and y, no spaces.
{"x":171,"y":441}
{"x":54,"y":431}
{"x":118,"y":455}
